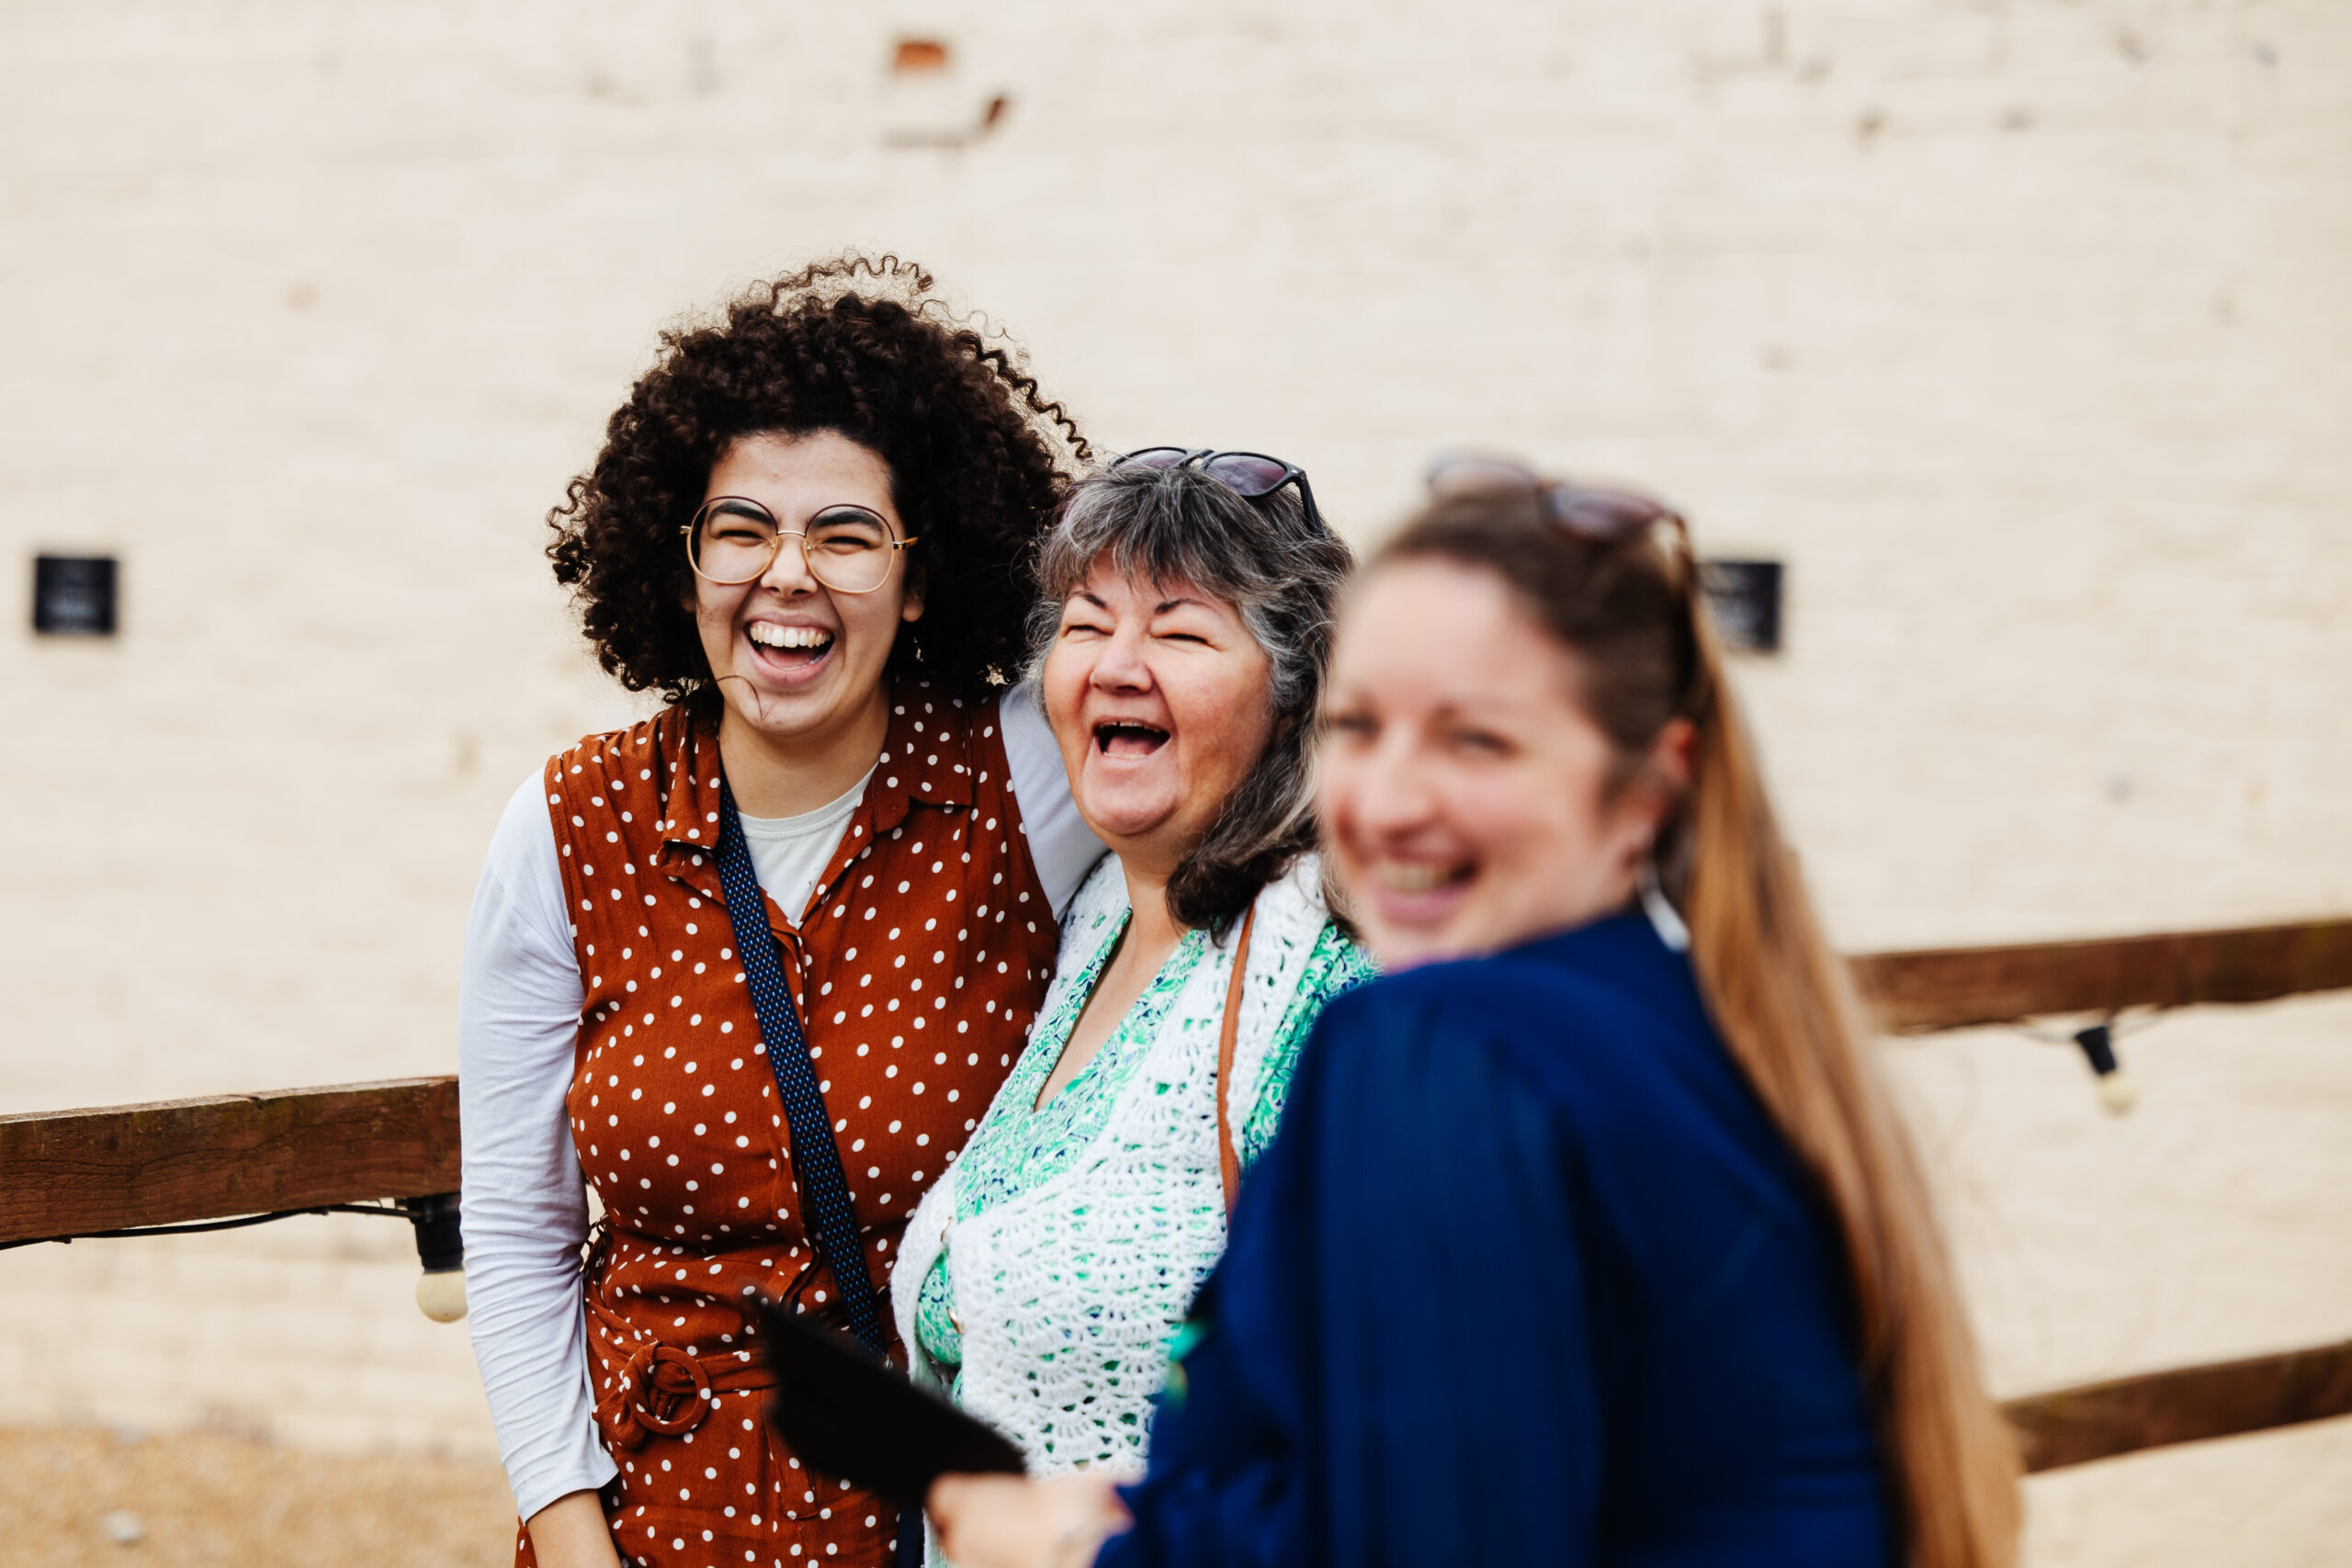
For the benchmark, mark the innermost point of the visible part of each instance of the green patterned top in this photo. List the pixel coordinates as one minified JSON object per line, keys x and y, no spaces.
{"x":1020,"y":1144}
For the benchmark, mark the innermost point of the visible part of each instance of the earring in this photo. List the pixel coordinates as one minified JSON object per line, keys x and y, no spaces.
{"x":1663,"y":915}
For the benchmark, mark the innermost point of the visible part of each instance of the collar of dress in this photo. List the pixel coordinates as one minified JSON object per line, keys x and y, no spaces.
{"x":927,"y":756}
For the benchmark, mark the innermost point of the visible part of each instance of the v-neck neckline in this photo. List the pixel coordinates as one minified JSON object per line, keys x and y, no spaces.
{"x":1170,"y":974}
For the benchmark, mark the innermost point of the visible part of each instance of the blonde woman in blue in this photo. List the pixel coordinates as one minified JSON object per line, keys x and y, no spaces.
{"x":1180,"y":655}
{"x":1590,"y":1239}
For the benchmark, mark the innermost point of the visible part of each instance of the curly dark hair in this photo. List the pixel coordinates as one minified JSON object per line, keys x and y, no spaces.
{"x":860,"y":345}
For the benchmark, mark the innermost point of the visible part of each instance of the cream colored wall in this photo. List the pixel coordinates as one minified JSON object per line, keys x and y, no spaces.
{"x":2019,"y":330}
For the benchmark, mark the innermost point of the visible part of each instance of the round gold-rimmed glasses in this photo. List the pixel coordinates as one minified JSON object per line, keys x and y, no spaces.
{"x":734,"y":539}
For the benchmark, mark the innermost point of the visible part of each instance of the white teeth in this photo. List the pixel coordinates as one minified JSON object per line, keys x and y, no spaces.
{"x":773,"y":635}
{"x":1413,"y":876}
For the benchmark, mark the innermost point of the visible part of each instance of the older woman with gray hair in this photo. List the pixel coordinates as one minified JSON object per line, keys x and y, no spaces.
{"x":1178,"y":653}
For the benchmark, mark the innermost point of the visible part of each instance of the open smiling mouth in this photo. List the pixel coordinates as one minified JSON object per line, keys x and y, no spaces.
{"x":1123,"y":738}
{"x":793,"y":648}
{"x":1421,"y":876}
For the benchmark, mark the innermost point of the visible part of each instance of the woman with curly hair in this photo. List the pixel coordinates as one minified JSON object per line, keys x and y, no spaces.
{"x":752,"y":967}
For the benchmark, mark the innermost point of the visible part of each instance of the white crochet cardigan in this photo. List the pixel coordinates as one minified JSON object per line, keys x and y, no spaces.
{"x":1069,"y":1292}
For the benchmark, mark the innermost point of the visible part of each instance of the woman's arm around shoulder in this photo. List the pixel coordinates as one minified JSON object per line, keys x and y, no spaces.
{"x":1061,"y":846}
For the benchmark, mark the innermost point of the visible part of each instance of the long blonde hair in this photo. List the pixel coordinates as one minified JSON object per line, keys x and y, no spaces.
{"x":1628,"y":614}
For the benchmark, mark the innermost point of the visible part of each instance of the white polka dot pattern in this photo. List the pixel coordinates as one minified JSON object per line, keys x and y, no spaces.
{"x":916,"y":971}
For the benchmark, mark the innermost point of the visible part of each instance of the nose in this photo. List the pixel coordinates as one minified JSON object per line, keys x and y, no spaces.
{"x":1392,"y":794}
{"x":788,"y":573}
{"x":1124,"y":664}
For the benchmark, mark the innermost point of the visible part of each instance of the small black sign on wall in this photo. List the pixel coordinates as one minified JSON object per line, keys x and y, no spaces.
{"x":1743,"y":597}
{"x":73,"y":595}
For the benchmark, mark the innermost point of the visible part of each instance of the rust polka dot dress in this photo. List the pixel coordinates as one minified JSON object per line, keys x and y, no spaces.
{"x":917,"y":968}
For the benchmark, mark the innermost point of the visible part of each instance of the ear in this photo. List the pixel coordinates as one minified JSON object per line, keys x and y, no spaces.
{"x":1674,"y":756}
{"x":1664,"y":778}
{"x":911,"y":609}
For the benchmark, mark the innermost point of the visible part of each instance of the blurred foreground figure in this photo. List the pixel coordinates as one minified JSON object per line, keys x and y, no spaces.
{"x":1590,"y":1237}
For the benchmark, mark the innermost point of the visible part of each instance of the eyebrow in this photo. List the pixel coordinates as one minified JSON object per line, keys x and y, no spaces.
{"x":743,"y":505}
{"x":1161,"y":609}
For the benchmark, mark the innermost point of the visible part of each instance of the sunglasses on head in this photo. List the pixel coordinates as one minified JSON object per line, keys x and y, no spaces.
{"x":1253,"y":476}
{"x":1603,"y":516}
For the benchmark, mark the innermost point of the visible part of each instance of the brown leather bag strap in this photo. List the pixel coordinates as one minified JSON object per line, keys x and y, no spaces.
{"x":1228,"y":1162}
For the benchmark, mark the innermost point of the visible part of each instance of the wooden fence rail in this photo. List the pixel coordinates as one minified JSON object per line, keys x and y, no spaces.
{"x":2121,"y":1415}
{"x":1917,"y":993}
{"x":74,"y":1172}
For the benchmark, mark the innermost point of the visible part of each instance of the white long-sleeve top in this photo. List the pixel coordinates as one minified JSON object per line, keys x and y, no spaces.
{"x":525,"y":1203}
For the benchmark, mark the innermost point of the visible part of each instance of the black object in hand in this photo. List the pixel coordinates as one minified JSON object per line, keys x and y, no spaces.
{"x":844,"y":1411}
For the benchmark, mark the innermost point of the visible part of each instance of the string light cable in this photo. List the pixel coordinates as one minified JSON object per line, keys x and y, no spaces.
{"x":440,"y":1244}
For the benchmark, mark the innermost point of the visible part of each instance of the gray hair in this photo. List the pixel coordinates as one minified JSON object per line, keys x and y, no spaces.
{"x":1283,"y":575}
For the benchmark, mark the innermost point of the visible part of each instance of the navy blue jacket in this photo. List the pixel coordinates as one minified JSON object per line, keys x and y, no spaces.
{"x":1528,"y":1277}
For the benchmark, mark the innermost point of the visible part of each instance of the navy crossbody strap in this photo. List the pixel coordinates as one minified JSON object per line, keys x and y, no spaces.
{"x":825,"y":1213}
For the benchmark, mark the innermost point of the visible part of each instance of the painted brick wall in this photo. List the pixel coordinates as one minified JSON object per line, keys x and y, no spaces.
{"x":2019,"y":329}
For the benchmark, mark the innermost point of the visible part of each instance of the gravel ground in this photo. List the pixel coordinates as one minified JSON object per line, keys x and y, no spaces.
{"x":72,"y":1497}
